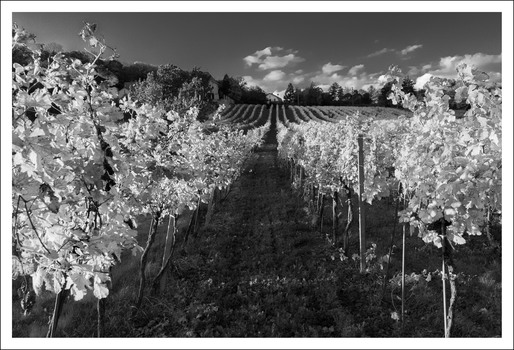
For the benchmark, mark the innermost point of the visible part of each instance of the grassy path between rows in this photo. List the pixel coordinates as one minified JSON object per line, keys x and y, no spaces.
{"x":259,"y":269}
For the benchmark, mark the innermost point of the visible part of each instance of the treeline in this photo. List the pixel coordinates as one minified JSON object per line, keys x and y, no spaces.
{"x":238,"y":90}
{"x":343,"y":96}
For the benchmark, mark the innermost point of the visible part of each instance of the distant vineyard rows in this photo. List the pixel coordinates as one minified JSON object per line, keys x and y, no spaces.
{"x":250,"y":116}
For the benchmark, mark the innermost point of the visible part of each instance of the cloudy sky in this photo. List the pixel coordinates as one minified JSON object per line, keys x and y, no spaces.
{"x":273,"y":49}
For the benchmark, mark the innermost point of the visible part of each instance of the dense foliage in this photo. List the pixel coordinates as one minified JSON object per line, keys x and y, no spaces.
{"x":82,"y":171}
{"x":448,"y":166}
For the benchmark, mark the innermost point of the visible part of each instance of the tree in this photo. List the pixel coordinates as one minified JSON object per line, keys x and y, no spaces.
{"x":21,"y":55}
{"x":289,"y":95}
{"x":313,"y":95}
{"x":420,"y":94}
{"x":225,"y":85}
{"x":171,"y":78}
{"x":340,"y":96}
{"x":408,"y":86}
{"x":346,"y":99}
{"x":236,"y":88}
{"x":232,"y":87}
{"x":326,"y":99}
{"x":373,"y":94}
{"x":356,"y":98}
{"x":384,"y":94}
{"x":366,"y":99}
{"x":136,"y":71}
{"x":333,"y":91}
{"x":193,"y":93}
{"x":148,"y":91}
{"x":253,"y":95}
{"x":204,"y":77}
{"x":112,"y":67}
{"x":299,"y":96}
{"x":53,"y":48}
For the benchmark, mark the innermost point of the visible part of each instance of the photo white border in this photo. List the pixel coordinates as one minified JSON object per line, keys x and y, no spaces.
{"x":7,"y":8}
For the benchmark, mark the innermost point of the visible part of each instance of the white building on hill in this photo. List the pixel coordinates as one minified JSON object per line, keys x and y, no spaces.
{"x":273,"y":98}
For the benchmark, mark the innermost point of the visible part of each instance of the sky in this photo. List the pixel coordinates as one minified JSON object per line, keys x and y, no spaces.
{"x":271,"y":50}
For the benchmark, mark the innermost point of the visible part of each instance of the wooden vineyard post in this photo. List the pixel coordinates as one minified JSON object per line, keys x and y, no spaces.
{"x":403,"y":275}
{"x":450,"y":275}
{"x":211,"y":205}
{"x":453,"y":296}
{"x":100,"y":308}
{"x":488,"y":227}
{"x":362,"y":222}
{"x":189,"y":227}
{"x":151,"y":237}
{"x":443,"y":234}
{"x":292,"y":167}
{"x":335,"y":221}
{"x":159,"y":281}
{"x":166,"y":244}
{"x":60,"y":298}
{"x":386,"y":274}
{"x":349,"y":219}
{"x":197,"y":214}
{"x":322,"y":208}
{"x":301,"y":177}
{"x":313,"y":197}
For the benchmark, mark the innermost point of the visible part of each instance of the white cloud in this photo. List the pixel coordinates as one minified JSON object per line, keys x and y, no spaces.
{"x":355,"y":69}
{"x":403,"y":52}
{"x":264,"y":52}
{"x":256,"y":56}
{"x":274,"y":75}
{"x":380,"y":52}
{"x":422,"y":80}
{"x":298,"y":79}
{"x":414,"y":71}
{"x":251,"y":60}
{"x":382,"y":79}
{"x":250,"y":81}
{"x":272,"y":62}
{"x":331,"y":68}
{"x":268,"y":58}
{"x":410,"y":48}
